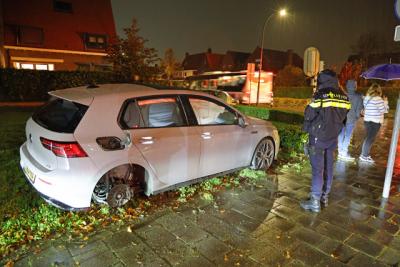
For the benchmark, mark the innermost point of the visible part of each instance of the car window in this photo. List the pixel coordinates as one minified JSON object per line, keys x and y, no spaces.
{"x":60,"y":115}
{"x":153,"y":113}
{"x":211,"y":113}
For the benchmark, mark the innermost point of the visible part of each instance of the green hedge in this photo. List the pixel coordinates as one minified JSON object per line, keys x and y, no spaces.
{"x":306,"y":92}
{"x":32,"y":85}
{"x":293,"y":92}
{"x":271,"y":114}
{"x":288,"y":125}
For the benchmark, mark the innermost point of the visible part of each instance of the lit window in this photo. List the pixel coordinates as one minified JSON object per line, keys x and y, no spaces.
{"x":95,"y":41}
{"x":41,"y":66}
{"x":27,"y":66}
{"x":33,"y":66}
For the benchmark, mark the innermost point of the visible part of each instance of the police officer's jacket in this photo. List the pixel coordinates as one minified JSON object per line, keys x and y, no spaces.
{"x":325,"y":116}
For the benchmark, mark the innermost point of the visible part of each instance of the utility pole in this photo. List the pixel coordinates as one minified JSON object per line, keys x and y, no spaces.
{"x":2,"y":50}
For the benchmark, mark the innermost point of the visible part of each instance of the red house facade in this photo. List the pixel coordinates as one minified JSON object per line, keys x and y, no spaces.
{"x":56,"y":34}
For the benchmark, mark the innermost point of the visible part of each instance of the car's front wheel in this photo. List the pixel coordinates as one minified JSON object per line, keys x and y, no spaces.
{"x":263,"y":155}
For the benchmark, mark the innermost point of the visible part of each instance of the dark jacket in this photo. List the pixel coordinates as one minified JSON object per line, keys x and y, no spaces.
{"x":356,"y":101}
{"x":325,"y":116}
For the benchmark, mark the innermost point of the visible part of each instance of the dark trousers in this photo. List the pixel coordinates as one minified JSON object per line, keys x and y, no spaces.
{"x":321,"y":158}
{"x":372,"y":129}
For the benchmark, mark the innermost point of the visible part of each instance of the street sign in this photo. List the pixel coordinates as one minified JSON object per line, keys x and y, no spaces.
{"x":397,"y":34}
{"x":311,"y":62}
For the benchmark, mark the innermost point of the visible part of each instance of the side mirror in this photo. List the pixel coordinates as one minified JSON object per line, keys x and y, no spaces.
{"x":242,"y":122}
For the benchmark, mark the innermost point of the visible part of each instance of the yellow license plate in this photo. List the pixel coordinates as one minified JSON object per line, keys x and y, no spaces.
{"x":31,"y":176}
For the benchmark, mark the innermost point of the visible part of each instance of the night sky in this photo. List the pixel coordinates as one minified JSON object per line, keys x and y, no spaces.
{"x":193,"y":26}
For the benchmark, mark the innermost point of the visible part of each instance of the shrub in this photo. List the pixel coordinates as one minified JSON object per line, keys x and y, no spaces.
{"x":290,"y":76}
{"x":293,"y":92}
{"x":288,"y":125}
{"x":32,"y":85}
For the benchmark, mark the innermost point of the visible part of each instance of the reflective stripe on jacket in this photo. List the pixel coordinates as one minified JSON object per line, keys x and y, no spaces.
{"x":325,"y":116}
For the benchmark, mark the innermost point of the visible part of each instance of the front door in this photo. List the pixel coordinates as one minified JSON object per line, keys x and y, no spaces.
{"x":223,"y":142}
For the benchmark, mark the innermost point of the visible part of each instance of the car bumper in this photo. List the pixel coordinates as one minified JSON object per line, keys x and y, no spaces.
{"x":68,"y":189}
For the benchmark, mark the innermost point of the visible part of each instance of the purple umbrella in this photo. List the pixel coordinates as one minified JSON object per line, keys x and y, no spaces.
{"x":385,"y":72}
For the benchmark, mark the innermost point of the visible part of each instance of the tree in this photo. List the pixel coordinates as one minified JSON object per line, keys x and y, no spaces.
{"x":350,"y":71}
{"x":367,"y":44}
{"x":169,"y":64}
{"x":290,"y":76}
{"x":131,"y":57}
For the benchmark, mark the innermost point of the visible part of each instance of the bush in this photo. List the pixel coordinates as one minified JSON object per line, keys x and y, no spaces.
{"x":290,"y":76}
{"x":293,"y":92}
{"x":271,"y":114}
{"x":288,"y":125}
{"x":32,"y":85}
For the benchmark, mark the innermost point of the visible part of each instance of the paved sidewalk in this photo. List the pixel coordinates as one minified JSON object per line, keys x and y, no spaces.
{"x":257,"y":226}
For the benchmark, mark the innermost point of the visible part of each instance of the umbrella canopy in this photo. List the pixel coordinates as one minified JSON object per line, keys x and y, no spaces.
{"x":385,"y":72}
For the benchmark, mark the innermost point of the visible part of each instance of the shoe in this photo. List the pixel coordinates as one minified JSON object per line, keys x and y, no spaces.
{"x":312,"y":204}
{"x":366,"y":159}
{"x":324,"y":200}
{"x":345,"y":157}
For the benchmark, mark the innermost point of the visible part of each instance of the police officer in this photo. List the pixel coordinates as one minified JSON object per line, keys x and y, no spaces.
{"x":324,"y":118}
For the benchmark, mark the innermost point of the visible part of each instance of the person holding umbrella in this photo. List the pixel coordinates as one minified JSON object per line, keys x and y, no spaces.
{"x":375,"y":106}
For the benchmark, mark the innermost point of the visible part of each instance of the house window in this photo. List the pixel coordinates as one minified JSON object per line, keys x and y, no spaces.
{"x":23,"y":35}
{"x":33,"y":66}
{"x":30,"y":35}
{"x":95,"y":41}
{"x":62,"y":6}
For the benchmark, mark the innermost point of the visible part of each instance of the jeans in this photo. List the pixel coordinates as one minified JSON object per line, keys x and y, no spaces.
{"x":344,"y":138}
{"x":372,"y":129}
{"x":321,"y":158}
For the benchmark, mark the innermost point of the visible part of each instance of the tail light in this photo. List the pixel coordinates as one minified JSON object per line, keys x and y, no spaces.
{"x":64,"y":149}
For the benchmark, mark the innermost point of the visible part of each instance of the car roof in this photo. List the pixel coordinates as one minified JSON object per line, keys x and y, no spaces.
{"x":85,"y":94}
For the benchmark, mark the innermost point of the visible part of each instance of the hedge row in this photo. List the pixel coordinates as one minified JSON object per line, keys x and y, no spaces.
{"x":271,"y":114}
{"x":287,"y":123}
{"x":32,"y":85}
{"x":293,"y":92}
{"x":306,"y":92}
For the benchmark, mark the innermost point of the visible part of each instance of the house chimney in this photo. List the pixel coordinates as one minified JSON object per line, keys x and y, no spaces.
{"x":289,"y":57}
{"x":209,"y":51}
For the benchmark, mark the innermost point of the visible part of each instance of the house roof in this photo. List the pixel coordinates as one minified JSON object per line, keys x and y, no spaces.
{"x":203,"y":61}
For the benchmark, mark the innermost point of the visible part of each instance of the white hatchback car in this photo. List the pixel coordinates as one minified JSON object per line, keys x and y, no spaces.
{"x":109,"y":142}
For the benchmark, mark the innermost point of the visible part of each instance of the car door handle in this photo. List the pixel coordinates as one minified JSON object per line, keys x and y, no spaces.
{"x":206,"y":135}
{"x":147,"y":140}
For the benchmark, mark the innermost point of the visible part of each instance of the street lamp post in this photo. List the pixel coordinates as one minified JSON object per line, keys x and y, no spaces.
{"x":281,"y":13}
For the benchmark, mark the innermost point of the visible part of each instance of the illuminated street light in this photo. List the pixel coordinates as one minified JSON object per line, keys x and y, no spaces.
{"x":281,"y":13}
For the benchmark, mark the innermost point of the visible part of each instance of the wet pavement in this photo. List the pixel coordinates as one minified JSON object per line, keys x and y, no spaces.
{"x":260,"y":225}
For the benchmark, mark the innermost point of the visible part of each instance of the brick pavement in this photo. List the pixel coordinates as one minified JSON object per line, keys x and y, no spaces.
{"x":256,"y":226}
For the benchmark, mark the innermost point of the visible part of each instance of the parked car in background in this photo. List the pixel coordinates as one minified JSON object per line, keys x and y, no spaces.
{"x":109,"y":143}
{"x":222,"y":95}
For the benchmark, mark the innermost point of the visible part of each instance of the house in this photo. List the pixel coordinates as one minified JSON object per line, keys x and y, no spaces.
{"x":274,"y":60}
{"x":235,"y":61}
{"x":55,"y":34}
{"x":202,"y":62}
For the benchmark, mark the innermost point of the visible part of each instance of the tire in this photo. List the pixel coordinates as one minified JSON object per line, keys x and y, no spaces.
{"x":264,"y":155}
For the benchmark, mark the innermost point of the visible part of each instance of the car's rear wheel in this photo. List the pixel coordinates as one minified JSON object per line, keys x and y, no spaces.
{"x":263,"y":155}
{"x":115,"y":188}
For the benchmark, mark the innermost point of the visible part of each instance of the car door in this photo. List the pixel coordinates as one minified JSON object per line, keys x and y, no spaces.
{"x":224,"y":144}
{"x":159,"y":129}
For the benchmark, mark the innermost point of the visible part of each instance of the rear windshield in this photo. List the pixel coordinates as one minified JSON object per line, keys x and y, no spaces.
{"x":60,"y":115}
